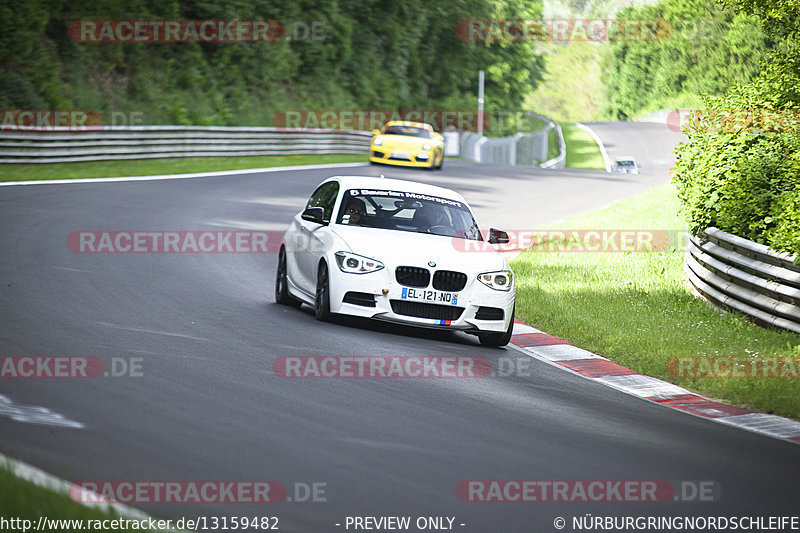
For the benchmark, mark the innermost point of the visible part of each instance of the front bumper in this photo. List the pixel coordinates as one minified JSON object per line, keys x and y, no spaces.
{"x":422,"y":158}
{"x":474,"y":299}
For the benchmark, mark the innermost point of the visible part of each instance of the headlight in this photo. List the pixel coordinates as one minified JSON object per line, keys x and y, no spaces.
{"x":377,"y":141}
{"x":499,"y":281}
{"x":426,"y":146}
{"x":357,"y":264}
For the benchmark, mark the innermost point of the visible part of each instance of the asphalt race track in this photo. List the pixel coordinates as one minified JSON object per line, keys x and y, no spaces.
{"x":206,"y":404}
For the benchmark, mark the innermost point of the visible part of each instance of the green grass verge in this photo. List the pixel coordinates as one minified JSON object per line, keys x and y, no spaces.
{"x":582,"y":150}
{"x":149,"y":167}
{"x":531,"y":123}
{"x":635,"y":309}
{"x":553,"y":148}
{"x":23,"y":500}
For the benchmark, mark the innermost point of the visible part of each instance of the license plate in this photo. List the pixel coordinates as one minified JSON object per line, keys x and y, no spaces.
{"x":401,"y":156}
{"x":426,"y":295}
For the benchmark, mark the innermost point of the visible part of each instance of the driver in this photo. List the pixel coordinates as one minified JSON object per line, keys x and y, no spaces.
{"x":355,"y":210}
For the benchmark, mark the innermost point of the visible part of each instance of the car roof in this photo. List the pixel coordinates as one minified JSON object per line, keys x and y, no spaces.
{"x":383,"y":184}
{"x":407,"y":123}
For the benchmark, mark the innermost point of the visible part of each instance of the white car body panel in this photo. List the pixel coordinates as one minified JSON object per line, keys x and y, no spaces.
{"x":308,"y":243}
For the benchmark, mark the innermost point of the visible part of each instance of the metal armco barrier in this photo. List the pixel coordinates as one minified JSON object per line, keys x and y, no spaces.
{"x":560,"y":161}
{"x":63,"y":145}
{"x":529,"y":149}
{"x":746,"y":276}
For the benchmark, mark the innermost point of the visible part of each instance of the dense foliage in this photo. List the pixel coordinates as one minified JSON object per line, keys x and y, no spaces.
{"x":701,"y":47}
{"x":740,"y":170}
{"x":373,"y":54}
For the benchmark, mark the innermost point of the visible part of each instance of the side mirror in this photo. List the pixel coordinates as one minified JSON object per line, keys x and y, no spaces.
{"x":497,"y":236}
{"x":314,"y":214}
{"x":376,"y":132}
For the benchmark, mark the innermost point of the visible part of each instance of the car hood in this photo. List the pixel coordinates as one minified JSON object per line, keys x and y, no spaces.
{"x":404,"y":142}
{"x":395,"y":248}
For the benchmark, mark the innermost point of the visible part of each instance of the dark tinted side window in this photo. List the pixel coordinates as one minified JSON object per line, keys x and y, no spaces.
{"x":325,"y":197}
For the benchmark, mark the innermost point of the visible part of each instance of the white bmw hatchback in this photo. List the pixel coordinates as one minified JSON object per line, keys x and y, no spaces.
{"x":399,"y":251}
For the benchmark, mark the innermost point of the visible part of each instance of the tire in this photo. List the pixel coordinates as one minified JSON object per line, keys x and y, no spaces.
{"x":498,"y":339}
{"x":322,"y":302}
{"x":282,"y":295}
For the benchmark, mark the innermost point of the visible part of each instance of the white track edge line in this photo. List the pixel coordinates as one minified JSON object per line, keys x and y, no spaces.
{"x":40,"y":478}
{"x":180,"y":176}
{"x":596,"y":138}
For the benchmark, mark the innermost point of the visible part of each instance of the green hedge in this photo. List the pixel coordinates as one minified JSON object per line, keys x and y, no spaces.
{"x":704,"y":47}
{"x":742,"y":182}
{"x":740,"y":169}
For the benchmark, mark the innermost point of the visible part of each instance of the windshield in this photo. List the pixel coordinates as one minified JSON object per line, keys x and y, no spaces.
{"x":626,"y":163}
{"x":407,"y":211}
{"x":409,"y":131}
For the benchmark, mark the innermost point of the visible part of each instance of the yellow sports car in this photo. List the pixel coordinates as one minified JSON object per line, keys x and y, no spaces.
{"x":409,"y":144}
